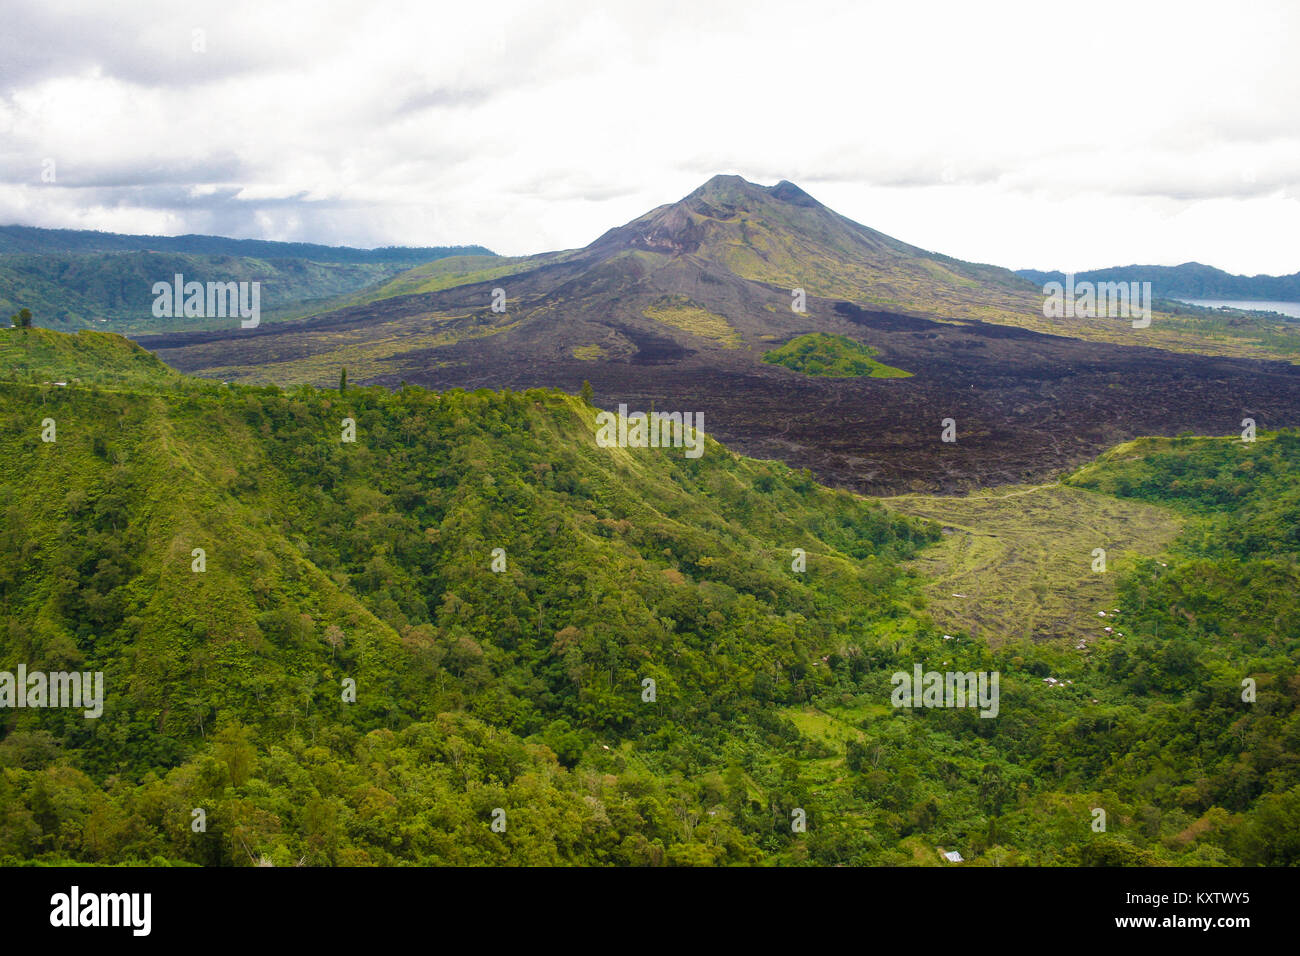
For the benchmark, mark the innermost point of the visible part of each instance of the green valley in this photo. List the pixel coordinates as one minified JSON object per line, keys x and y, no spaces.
{"x":367,"y":651}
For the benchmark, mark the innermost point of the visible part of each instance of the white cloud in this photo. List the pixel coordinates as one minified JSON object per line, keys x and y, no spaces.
{"x":1017,"y":133}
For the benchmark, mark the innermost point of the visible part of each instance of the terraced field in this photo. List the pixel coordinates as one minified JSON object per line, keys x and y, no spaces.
{"x":1017,"y":563}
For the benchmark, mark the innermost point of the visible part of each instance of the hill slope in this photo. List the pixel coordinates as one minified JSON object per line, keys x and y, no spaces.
{"x":372,"y":561}
{"x":42,"y":356}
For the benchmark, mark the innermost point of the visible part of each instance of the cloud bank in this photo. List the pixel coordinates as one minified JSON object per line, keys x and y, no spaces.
{"x":1069,"y":136}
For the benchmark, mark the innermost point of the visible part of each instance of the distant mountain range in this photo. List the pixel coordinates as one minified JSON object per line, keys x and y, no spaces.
{"x":29,"y":240}
{"x":80,"y":279}
{"x":1191,"y":280}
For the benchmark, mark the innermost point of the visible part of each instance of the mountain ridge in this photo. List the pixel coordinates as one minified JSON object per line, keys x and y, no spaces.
{"x":17,"y":239}
{"x":1191,"y":279}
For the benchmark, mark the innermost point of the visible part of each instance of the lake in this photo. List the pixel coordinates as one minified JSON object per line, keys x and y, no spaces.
{"x":1286,"y":308}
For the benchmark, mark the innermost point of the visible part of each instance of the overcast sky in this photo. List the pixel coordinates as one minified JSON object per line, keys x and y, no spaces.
{"x":1076,"y":136}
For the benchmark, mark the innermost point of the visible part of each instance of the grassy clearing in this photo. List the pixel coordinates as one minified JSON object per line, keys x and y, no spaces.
{"x":819,"y":725}
{"x":1017,"y":563}
{"x":682,"y":313}
{"x":831,"y":356}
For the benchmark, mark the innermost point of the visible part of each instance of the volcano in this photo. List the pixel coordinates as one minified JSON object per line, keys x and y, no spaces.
{"x":678,"y":308}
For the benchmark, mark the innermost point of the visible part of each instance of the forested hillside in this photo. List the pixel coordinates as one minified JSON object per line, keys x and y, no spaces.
{"x":240,"y":572}
{"x":72,"y":279}
{"x":373,"y":560}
